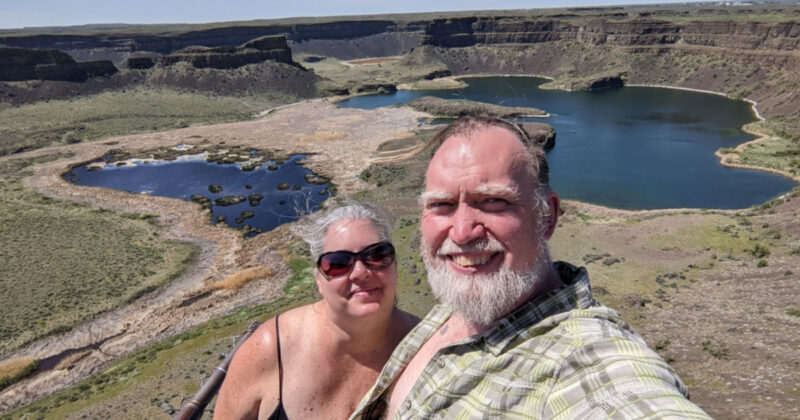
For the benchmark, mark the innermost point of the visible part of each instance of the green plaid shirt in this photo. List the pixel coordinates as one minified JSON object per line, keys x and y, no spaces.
{"x":561,"y":356}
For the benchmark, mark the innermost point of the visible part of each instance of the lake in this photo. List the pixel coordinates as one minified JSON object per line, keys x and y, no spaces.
{"x":631,"y":147}
{"x":192,"y":176}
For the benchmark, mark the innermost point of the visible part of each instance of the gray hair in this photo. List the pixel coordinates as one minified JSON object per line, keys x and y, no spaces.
{"x":314,"y":228}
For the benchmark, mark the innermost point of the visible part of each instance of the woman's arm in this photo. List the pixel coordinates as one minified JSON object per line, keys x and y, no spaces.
{"x":252,"y":380}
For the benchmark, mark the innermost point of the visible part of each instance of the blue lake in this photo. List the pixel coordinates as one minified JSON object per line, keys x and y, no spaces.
{"x":185,"y":178}
{"x":631,"y":147}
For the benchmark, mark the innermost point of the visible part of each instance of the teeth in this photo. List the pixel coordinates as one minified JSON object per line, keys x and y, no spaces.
{"x":466,"y":261}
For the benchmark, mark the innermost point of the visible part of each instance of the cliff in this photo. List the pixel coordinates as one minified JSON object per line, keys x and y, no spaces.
{"x":399,"y":37}
{"x":32,"y":64}
{"x":258,"y":50}
{"x":463,"y":32}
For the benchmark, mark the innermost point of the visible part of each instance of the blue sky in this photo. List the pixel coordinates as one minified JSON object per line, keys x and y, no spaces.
{"x":22,"y":13}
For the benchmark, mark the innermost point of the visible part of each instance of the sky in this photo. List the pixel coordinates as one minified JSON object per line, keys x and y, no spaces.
{"x":32,"y":13}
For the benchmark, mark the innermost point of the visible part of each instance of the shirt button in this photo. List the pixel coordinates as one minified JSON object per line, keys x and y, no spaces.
{"x":440,"y":362}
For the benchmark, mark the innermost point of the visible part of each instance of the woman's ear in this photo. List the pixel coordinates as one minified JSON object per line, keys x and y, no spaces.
{"x":318,"y":279}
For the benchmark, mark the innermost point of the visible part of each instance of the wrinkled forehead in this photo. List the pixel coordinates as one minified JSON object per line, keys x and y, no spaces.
{"x":492,"y":151}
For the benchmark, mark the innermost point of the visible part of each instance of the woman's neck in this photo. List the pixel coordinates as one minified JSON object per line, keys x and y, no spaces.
{"x":360,"y":337}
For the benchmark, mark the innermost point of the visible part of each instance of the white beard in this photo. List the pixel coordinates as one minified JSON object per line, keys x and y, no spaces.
{"x":483,"y":298}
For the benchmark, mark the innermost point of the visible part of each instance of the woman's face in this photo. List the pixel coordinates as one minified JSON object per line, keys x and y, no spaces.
{"x":363,"y":290}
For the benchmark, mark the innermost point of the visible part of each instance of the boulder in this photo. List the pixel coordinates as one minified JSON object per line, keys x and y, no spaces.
{"x":541,"y":133}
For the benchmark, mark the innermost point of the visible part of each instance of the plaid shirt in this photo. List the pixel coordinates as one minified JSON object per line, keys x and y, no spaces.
{"x":562,"y":356}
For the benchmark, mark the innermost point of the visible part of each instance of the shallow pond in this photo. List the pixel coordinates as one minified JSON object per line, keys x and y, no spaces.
{"x":632,"y":147}
{"x":231,"y":192}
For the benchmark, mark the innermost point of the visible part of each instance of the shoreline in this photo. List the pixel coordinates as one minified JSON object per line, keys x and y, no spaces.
{"x":723,"y":158}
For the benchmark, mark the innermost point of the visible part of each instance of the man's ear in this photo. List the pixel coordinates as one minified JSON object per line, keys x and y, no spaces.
{"x":551,"y":220}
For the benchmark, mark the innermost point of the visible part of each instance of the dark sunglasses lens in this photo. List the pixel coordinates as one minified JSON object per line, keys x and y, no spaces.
{"x":336,"y":263}
{"x":378,"y":256}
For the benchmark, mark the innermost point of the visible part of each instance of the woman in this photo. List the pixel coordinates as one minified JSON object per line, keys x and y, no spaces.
{"x":317,"y":361}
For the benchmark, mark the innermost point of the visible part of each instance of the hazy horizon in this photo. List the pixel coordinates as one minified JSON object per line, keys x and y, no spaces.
{"x":19,"y":14}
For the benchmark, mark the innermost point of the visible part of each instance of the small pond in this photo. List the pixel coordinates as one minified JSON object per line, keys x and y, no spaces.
{"x":631,"y":147}
{"x":262,"y":198}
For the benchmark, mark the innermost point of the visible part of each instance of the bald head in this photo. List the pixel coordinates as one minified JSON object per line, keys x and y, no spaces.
{"x":469,"y":126}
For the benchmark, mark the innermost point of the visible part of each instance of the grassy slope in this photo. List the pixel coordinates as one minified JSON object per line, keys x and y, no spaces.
{"x":117,"y":113}
{"x":64,"y":262}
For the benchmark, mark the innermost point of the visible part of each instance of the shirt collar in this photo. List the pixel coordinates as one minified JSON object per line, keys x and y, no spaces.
{"x":574,"y":292}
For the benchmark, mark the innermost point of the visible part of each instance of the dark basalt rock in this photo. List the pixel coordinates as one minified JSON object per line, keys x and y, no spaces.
{"x":138,"y":63}
{"x":437,"y":74}
{"x":283,"y":186}
{"x":261,"y":49}
{"x":215,"y":188}
{"x":20,"y":64}
{"x":377,"y":87}
{"x":229,"y":200}
{"x":541,"y":133}
{"x":244,"y":215}
{"x":201,"y":200}
{"x":255,"y":199}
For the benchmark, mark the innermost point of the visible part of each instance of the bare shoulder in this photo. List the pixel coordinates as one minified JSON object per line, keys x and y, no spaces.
{"x":247,"y":384}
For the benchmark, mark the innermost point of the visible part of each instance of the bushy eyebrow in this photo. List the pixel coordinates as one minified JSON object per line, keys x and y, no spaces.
{"x":493,"y":190}
{"x":498,"y":190}
{"x":429,"y":196}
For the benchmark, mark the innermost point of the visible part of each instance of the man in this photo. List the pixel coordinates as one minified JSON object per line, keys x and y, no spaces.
{"x":515,"y":336}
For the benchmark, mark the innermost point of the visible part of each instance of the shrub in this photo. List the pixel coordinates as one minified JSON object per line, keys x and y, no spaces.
{"x":15,"y":369}
{"x":718,"y":351}
{"x":239,"y":279}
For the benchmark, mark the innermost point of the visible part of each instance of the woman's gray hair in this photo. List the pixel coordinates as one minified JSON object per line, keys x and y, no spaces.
{"x":313,"y":228}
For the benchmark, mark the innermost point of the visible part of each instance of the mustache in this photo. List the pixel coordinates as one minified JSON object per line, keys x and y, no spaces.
{"x":489,"y":244}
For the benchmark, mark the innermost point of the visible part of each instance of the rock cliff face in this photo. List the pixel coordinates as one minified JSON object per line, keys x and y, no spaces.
{"x":261,"y":49}
{"x":32,"y":64}
{"x":116,"y":46}
{"x":463,"y":32}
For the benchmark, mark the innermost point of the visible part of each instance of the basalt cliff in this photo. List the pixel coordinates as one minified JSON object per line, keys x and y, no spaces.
{"x":744,"y":52}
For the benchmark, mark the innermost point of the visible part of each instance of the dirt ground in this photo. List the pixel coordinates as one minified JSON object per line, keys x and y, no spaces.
{"x":718,"y":317}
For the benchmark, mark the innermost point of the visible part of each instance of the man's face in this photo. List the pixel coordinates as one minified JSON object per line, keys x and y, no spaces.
{"x":479,"y":218}
{"x":479,"y":188}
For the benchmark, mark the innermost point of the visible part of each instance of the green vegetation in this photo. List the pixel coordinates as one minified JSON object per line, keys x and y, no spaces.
{"x":118,"y":113}
{"x":793,"y":312}
{"x":16,"y":369}
{"x":64,"y":262}
{"x":718,"y":232}
{"x":156,"y":372}
{"x":716,"y":350}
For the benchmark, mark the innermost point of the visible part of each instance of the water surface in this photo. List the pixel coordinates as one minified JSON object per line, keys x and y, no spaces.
{"x":631,"y":147}
{"x":186,"y":177}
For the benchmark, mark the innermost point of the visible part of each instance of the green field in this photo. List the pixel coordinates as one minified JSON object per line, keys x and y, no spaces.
{"x":63,"y":263}
{"x":118,"y":113}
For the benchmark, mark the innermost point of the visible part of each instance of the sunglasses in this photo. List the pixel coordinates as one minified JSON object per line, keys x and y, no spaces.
{"x":338,"y":263}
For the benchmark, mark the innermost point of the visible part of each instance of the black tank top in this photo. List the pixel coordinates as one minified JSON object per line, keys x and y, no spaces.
{"x":279,"y":413}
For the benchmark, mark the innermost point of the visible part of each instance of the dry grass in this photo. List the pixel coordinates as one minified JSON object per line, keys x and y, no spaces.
{"x":14,"y":369}
{"x":237,"y":280}
{"x":70,"y":361}
{"x":325,"y":136}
